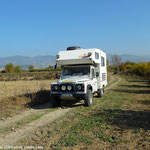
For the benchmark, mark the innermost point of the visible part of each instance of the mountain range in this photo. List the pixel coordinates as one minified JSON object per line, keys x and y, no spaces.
{"x":45,"y":61}
{"x":25,"y":62}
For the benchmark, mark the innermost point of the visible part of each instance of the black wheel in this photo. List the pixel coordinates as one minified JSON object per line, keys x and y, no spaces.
{"x":73,"y":48}
{"x":55,"y":101}
{"x":101,"y":92}
{"x":88,"y":98}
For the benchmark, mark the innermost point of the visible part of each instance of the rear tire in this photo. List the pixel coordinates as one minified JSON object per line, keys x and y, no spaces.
{"x":88,"y":98}
{"x":101,"y":92}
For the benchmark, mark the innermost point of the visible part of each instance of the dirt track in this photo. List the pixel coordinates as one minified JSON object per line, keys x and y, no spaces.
{"x":15,"y":134}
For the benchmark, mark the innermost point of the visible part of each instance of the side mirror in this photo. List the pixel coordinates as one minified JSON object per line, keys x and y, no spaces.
{"x":97,"y":74}
{"x":55,"y":66}
{"x":57,"y":76}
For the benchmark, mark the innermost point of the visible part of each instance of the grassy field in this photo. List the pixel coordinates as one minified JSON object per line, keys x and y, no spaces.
{"x":119,"y":120}
{"x":16,"y":88}
{"x":16,"y":96}
{"x":24,"y":92}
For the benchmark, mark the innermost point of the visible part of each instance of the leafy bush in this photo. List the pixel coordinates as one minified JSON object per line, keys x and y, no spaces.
{"x":10,"y":68}
{"x":139,"y":69}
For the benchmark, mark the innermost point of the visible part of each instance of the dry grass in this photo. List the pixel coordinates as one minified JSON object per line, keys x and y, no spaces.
{"x":16,"y":88}
{"x":16,"y":96}
{"x":27,"y":76}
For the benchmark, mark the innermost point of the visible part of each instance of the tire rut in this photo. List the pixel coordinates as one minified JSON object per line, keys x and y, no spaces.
{"x":23,"y":132}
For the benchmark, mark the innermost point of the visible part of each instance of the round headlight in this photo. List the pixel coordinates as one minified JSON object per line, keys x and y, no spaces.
{"x":69,"y":87}
{"x":63,"y":87}
{"x":56,"y":87}
{"x":79,"y":87}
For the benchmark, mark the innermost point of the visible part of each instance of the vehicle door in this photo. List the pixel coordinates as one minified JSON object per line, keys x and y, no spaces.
{"x":94,"y":80}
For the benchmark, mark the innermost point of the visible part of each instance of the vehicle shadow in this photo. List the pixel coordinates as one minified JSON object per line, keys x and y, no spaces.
{"x":71,"y":104}
{"x":139,"y":81}
{"x":145,"y":102}
{"x":39,"y":100}
{"x":127,"y":118}
{"x":132,"y":91}
{"x":135,"y":86}
{"x":42,"y":100}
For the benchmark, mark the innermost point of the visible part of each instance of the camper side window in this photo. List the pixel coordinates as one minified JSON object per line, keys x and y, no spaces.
{"x":96,"y":55}
{"x":102,"y":61}
{"x":93,"y":73}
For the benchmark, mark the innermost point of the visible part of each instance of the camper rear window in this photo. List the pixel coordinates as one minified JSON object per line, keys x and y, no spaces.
{"x":102,"y":61}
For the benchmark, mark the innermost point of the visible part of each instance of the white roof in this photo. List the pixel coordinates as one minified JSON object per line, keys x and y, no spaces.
{"x":79,"y":56}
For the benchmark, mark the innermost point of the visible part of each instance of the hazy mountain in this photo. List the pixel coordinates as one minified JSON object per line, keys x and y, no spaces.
{"x":45,"y":61}
{"x":132,"y":58}
{"x":25,"y":62}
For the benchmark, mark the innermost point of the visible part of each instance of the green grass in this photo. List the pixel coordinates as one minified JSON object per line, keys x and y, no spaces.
{"x":91,"y":122}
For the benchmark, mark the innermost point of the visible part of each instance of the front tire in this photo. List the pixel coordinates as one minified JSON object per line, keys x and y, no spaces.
{"x":88,"y":98}
{"x":55,"y":101}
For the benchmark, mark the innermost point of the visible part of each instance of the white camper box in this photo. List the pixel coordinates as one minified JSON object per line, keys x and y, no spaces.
{"x":95,"y":81}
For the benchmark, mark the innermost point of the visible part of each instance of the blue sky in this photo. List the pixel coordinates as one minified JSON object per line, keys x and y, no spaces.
{"x":43,"y":27}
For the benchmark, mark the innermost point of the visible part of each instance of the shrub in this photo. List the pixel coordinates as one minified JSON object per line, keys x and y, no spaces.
{"x":9,"y":68}
{"x":139,"y":69}
{"x":17,"y":69}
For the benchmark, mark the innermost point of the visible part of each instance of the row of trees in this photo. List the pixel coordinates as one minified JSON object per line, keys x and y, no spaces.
{"x":50,"y":68}
{"x":10,"y":68}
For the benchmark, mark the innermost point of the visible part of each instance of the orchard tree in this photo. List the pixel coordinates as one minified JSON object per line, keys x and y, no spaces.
{"x":31,"y":67}
{"x":9,"y":68}
{"x":17,"y":69}
{"x":49,"y":68}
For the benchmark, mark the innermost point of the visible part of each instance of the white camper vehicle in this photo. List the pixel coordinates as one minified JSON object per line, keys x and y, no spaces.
{"x":83,"y":73}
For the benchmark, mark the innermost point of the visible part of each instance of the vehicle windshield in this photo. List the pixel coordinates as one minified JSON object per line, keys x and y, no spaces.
{"x":75,"y":71}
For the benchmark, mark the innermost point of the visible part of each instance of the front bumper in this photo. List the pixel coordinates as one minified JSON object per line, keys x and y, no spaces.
{"x":69,"y":95}
{"x":73,"y":94}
